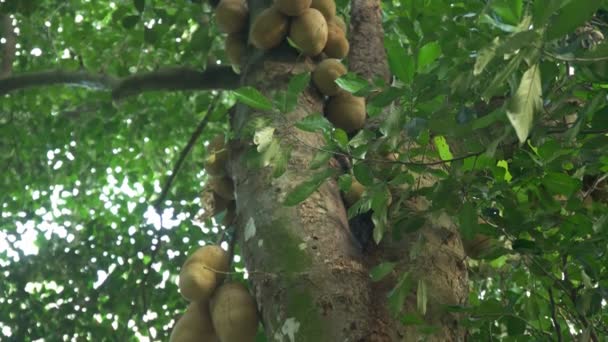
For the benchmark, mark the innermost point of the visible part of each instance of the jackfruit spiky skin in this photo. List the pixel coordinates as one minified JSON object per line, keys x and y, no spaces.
{"x":326,"y":73}
{"x":346,"y":111}
{"x":269,"y":29}
{"x":309,"y":32}
{"x":231,"y":15}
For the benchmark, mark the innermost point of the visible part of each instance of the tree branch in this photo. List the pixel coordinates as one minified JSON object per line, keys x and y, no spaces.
{"x":170,"y":79}
{"x":46,"y":78}
{"x":178,"y":78}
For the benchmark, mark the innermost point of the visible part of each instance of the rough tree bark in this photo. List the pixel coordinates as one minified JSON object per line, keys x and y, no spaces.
{"x":310,"y":281}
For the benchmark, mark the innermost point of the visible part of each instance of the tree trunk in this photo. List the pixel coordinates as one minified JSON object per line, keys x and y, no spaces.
{"x":310,"y":281}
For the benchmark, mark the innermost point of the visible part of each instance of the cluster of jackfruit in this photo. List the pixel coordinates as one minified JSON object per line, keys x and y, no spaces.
{"x":312,"y":25}
{"x":218,"y":311}
{"x":315,"y":29}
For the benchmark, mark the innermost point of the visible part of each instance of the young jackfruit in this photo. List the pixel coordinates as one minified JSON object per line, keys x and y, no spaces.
{"x":327,"y":7}
{"x":217,"y":156}
{"x":268,"y":29}
{"x":326,"y":73}
{"x":292,"y":7}
{"x":337,"y":45}
{"x":231,"y":15}
{"x":202,"y":272}
{"x":309,"y":32}
{"x":194,"y":325}
{"x":346,"y":111}
{"x":354,"y":193}
{"x":222,"y":186}
{"x":236,"y":45}
{"x":337,"y":20}
{"x":234,"y":313}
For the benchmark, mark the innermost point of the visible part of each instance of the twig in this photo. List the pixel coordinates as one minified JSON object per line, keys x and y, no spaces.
{"x":158,"y":203}
{"x":575,"y":59}
{"x":594,"y":186}
{"x":8,"y":51}
{"x":581,"y":132}
{"x":387,"y":161}
{"x":184,"y":153}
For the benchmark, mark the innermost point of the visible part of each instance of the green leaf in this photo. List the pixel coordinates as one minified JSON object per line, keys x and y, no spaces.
{"x":321,"y":158}
{"x":296,"y":86}
{"x":523,"y":104}
{"x":139,"y":5}
{"x":544,"y":9}
{"x":253,"y":98}
{"x":505,"y":165}
{"x":130,"y":21}
{"x":485,"y":56}
{"x":263,"y":137}
{"x":364,"y":174}
{"x":151,"y":35}
{"x":508,"y":10}
{"x":352,"y":83}
{"x":571,"y":16}
{"x":345,"y":181}
{"x":386,"y":97}
{"x":485,"y":18}
{"x":382,"y":270}
{"x":442,"y":147}
{"x":500,"y":47}
{"x":411,"y":319}
{"x":515,"y":325}
{"x":313,"y":123}
{"x":341,"y":138}
{"x":400,"y":63}
{"x":428,"y":54}
{"x":393,"y":123}
{"x":468,"y":221}
{"x":598,"y":100}
{"x":280,"y":162}
{"x":398,"y":295}
{"x":380,"y":222}
{"x":421,"y":297}
{"x":560,"y":183}
{"x":305,"y":189}
{"x":500,"y":79}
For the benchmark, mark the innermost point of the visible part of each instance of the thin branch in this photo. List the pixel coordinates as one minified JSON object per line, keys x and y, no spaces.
{"x":556,"y":325}
{"x":387,"y":161}
{"x":595,"y":185}
{"x":170,"y":79}
{"x":10,"y":44}
{"x":581,"y":132}
{"x":158,"y":203}
{"x":184,"y":153}
{"x":574,"y":59}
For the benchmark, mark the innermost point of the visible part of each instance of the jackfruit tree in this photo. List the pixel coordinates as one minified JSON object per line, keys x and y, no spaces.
{"x":306,"y":170}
